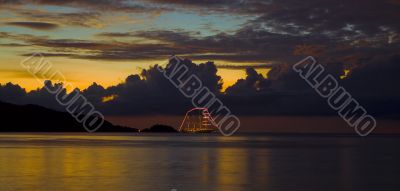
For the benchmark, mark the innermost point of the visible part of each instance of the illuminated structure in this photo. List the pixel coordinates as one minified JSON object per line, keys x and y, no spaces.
{"x":197,"y":120}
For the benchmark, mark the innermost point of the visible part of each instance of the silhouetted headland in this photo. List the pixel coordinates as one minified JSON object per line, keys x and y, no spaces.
{"x":33,"y":118}
{"x":158,"y":128}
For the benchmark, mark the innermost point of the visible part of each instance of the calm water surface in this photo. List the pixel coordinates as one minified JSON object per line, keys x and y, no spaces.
{"x":197,"y":162}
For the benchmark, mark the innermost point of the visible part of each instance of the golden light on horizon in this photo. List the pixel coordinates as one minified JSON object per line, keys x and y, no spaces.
{"x":346,"y":73}
{"x":82,"y":73}
{"x":108,"y":98}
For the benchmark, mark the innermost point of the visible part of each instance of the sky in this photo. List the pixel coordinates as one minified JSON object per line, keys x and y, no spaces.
{"x":243,"y":49}
{"x":117,"y":38}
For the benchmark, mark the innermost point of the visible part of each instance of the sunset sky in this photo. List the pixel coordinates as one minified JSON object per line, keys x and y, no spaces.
{"x":114,"y":44}
{"x":104,"y":42}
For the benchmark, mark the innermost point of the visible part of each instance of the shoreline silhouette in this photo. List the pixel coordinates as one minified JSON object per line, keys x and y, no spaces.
{"x":34,"y":118}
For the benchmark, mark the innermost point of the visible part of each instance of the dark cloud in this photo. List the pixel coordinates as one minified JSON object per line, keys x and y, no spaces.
{"x":160,"y":95}
{"x":247,"y":7}
{"x":334,"y":18}
{"x":116,"y":34}
{"x":69,"y":43}
{"x":99,"y":5}
{"x":15,"y":94}
{"x":254,"y":82}
{"x":377,"y":78}
{"x":373,"y":84}
{"x":279,"y":36}
{"x":84,"y":13}
{"x":83,"y":19}
{"x":13,"y":45}
{"x":282,"y":93}
{"x":245,"y":45}
{"x":208,"y":6}
{"x":331,"y":18}
{"x":34,"y":25}
{"x":93,"y":49}
{"x":282,"y":29}
{"x":48,"y":54}
{"x":147,"y":93}
{"x":242,"y":67}
{"x":12,"y":93}
{"x":248,"y":44}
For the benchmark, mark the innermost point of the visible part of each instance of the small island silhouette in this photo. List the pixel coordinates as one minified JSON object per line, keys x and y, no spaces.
{"x":160,"y":129}
{"x":33,"y":118}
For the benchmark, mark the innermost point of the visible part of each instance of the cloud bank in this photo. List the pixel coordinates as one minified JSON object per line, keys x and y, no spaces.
{"x":283,"y":92}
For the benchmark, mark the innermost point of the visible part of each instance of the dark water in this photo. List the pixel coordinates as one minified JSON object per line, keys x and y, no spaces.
{"x":176,"y":162}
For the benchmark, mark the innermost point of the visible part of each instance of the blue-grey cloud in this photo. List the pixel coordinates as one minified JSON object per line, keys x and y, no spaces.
{"x":34,"y":25}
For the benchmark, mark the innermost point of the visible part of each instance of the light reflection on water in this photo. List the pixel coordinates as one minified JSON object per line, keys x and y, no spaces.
{"x":165,"y":162}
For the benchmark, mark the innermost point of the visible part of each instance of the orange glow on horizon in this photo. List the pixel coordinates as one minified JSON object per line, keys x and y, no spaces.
{"x":108,"y":98}
{"x":346,"y":73}
{"x":103,"y":72}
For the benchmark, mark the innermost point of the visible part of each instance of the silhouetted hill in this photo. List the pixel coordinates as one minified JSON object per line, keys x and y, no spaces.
{"x":33,"y":118}
{"x":160,"y":129}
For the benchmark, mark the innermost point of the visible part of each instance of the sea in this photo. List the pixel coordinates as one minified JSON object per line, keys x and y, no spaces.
{"x":204,"y":162}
